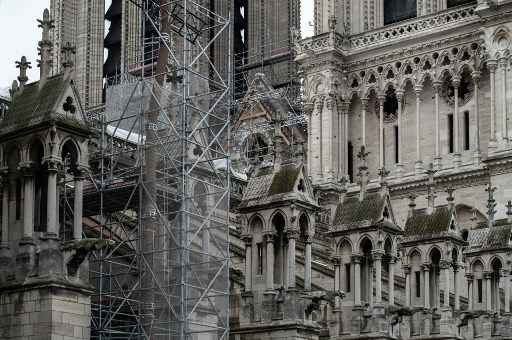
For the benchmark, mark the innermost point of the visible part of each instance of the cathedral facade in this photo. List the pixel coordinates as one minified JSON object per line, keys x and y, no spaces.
{"x":407,"y":234}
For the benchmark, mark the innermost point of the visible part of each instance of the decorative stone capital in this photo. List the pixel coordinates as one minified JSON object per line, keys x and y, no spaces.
{"x":425,"y":267}
{"x":80,"y":172}
{"x":356,"y":258}
{"x":292,"y":234}
{"x":247,"y":239}
{"x":487,"y":275}
{"x":445,"y":265}
{"x":418,"y":89}
{"x":308,"y":239}
{"x":469,"y":276}
{"x":399,"y":94}
{"x":456,"y":82}
{"x":377,"y":255}
{"x":26,"y":168}
{"x":269,"y":237}
{"x":492,"y":64}
{"x":336,"y":260}
{"x":437,"y":86}
{"x":407,"y":269}
{"x":53,"y":164}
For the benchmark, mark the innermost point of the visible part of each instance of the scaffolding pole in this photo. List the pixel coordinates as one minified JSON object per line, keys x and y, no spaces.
{"x":163,"y":182}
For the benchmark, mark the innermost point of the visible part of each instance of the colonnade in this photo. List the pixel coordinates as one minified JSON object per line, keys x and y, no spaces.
{"x":289,"y":277}
{"x":52,"y":206}
{"x":491,"y":298}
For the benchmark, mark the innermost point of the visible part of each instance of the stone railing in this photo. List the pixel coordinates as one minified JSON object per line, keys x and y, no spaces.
{"x":414,"y":26}
{"x":388,"y":33}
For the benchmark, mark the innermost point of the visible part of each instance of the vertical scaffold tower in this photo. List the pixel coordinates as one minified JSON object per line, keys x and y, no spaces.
{"x":161,"y":189}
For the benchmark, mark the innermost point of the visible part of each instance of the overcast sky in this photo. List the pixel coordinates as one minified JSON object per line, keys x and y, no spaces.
{"x":19,"y":35}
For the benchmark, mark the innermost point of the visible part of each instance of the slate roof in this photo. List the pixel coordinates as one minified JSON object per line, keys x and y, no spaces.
{"x":422,"y":225}
{"x":271,"y":184}
{"x":36,"y":104}
{"x":496,"y":237}
{"x":352,"y":213}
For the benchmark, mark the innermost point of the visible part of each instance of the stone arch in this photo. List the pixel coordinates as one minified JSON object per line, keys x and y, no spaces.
{"x":256,"y":220}
{"x":434,"y":252}
{"x":344,"y":245}
{"x":368,"y":241}
{"x":405,"y":81}
{"x":478,"y":261}
{"x":69,"y":144}
{"x":278,"y":227}
{"x":415,"y":249}
{"x":277,"y":216}
{"x":304,"y":225}
{"x":501,"y":40}
{"x":37,"y":149}
{"x":495,"y":260}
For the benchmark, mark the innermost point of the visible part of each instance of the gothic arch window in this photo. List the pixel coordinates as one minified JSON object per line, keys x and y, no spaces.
{"x":398,"y":10}
{"x":40,"y":186}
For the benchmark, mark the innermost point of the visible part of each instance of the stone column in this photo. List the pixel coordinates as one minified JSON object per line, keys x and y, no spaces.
{"x":477,"y":156}
{"x":316,"y":139}
{"x":456,"y":297}
{"x":419,"y":162}
{"x":381,"y":130}
{"x":248,"y":262}
{"x":377,"y":261}
{"x":337,"y":277}
{"x":456,"y":154}
{"x":437,"y":158}
{"x":28,"y":202}
{"x":492,"y":65}
{"x":78,"y":205}
{"x":356,"y":260}
{"x":399,"y":166}
{"x":5,"y":211}
{"x":506,"y":278}
{"x":328,"y":154}
{"x":269,"y":238}
{"x":446,"y":273}
{"x":426,"y":288}
{"x":470,"y":278}
{"x":488,"y":291}
{"x":364,"y":103}
{"x":504,"y":114}
{"x":407,"y":273}
{"x":391,"y":281}
{"x":292,"y":237}
{"x":307,"y":264}
{"x":51,"y":203}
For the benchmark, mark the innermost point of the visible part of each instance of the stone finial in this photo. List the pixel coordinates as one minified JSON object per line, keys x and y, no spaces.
{"x":491,"y":204}
{"x":23,"y":65}
{"x":45,"y":45}
{"x":68,"y":51}
{"x":363,"y":172}
{"x":450,"y":199}
{"x":383,"y":175}
{"x":14,"y":89}
{"x":412,"y":204}
{"x":431,"y":195}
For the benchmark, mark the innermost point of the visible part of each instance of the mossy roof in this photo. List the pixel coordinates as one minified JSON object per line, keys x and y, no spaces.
{"x":38,"y":103}
{"x":353,"y":213}
{"x":496,"y":237}
{"x":275,"y":184}
{"x":421,"y":224}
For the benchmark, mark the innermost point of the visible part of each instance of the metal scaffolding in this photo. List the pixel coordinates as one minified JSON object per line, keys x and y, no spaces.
{"x":161,"y":186}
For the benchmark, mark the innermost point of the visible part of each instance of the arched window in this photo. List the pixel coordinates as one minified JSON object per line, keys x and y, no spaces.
{"x":280,"y":249}
{"x":398,"y":10}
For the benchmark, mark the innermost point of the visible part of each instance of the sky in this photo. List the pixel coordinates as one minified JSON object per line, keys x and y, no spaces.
{"x":19,"y":35}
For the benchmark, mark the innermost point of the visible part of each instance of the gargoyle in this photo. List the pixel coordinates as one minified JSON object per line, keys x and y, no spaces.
{"x":81,"y":249}
{"x":329,"y":297}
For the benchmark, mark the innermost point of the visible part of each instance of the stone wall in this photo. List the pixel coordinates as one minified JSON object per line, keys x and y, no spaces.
{"x":50,"y":312}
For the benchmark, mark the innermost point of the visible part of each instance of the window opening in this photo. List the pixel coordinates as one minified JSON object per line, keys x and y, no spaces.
{"x":347,"y":278}
{"x":466,"y":130}
{"x":450,"y":133}
{"x":418,"y":283}
{"x":398,"y":10}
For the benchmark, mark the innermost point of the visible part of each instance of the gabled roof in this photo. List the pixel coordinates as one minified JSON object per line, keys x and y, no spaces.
{"x":39,"y":102}
{"x":424,"y":225}
{"x":496,"y":237}
{"x":353,"y":213}
{"x":278,"y":183}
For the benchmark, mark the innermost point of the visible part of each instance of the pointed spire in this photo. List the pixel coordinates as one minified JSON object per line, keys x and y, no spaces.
{"x":383,"y":175}
{"x":491,"y":204}
{"x":363,"y":172}
{"x":431,"y":195}
{"x":45,"y":45}
{"x":509,"y":212}
{"x":14,"y":89}
{"x":450,"y":199}
{"x":23,"y":65}
{"x":412,"y":205}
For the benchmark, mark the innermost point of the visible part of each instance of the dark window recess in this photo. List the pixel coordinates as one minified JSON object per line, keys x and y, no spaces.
{"x":347,"y":278}
{"x":18,"y":199}
{"x":450,"y":133}
{"x":466,"y":130}
{"x":350,"y":164}
{"x":398,"y":10}
{"x":259,"y":247}
{"x":454,"y":3}
{"x":418,"y":283}
{"x":396,"y":145}
{"x":480,"y":290}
